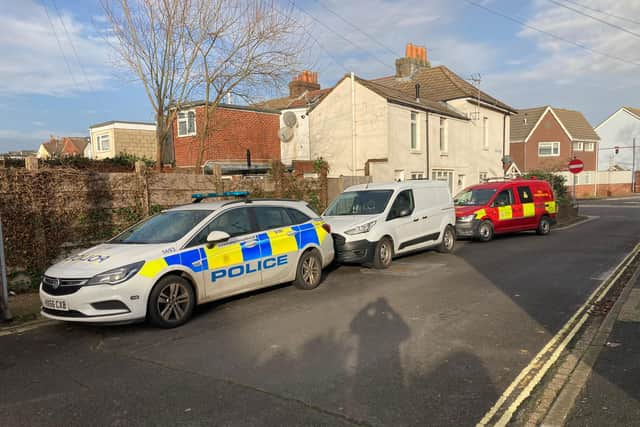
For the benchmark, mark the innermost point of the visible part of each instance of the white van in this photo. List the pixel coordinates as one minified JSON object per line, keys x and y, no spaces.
{"x":372,"y":223}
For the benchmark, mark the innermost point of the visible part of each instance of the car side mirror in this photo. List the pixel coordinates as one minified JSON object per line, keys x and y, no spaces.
{"x":217,"y":237}
{"x":405,"y":212}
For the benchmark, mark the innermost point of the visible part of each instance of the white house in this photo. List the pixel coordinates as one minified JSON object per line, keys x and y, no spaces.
{"x":618,"y":130}
{"x":424,"y":122}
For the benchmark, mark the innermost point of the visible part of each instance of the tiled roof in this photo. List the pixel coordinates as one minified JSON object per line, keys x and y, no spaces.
{"x":306,"y":99}
{"x":440,"y":84}
{"x":575,"y":123}
{"x":54,"y":147}
{"x":400,"y":97}
{"x":633,"y":110}
{"x":75,"y":144}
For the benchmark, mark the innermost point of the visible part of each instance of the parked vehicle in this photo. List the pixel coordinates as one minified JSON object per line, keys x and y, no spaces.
{"x":372,"y":223}
{"x":162,"y":267}
{"x":505,"y":206}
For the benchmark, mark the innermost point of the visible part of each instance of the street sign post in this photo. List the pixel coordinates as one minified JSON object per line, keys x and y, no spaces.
{"x":5,"y":313}
{"x":575,"y":166}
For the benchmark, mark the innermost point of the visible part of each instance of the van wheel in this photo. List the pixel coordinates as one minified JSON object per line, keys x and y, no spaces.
{"x":309,"y":271}
{"x":485,"y":231}
{"x":544,"y":227}
{"x":448,"y":241}
{"x":383,"y":254}
{"x":171,"y":302}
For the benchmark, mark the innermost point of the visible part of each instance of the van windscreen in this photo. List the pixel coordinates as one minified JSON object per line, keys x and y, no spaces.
{"x":368,"y":202}
{"x":474,"y":197}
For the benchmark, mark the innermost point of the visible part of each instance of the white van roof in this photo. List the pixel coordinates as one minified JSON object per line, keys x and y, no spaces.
{"x":418,"y":183}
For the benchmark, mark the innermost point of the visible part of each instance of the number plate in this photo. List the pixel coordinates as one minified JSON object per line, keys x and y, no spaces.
{"x":55,"y":304}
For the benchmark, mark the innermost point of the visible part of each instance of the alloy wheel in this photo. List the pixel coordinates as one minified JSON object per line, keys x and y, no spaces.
{"x":173,"y":302}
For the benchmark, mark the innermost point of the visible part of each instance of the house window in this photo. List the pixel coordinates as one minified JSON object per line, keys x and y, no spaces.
{"x":460,"y":181}
{"x":417,"y":175}
{"x":414,"y":131}
{"x":483,"y":176}
{"x":443,"y":175}
{"x":578,"y":146}
{"x":187,"y":123}
{"x":444,"y":144}
{"x":485,"y":133}
{"x":589,"y":146}
{"x":398,"y":175}
{"x":549,"y":149}
{"x":103,"y":143}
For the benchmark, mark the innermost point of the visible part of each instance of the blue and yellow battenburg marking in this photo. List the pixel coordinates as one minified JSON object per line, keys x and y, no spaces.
{"x":266,"y":245}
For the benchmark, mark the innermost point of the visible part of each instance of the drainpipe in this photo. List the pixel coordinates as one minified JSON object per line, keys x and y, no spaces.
{"x":353,"y":125}
{"x":427,"y":146}
{"x":504,"y":142}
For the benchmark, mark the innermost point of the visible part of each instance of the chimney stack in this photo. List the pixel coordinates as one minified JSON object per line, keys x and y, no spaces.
{"x":303,"y":82}
{"x":414,"y":59}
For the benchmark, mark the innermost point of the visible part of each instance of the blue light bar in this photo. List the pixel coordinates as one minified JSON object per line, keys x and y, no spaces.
{"x":200,"y":196}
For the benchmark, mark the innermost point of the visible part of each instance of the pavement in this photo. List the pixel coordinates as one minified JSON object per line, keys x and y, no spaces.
{"x":434,"y":340}
{"x":611,"y":395}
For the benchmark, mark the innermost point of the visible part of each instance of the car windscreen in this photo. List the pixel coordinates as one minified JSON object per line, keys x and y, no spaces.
{"x":366,"y":202}
{"x":474,"y":197}
{"x":164,"y":227}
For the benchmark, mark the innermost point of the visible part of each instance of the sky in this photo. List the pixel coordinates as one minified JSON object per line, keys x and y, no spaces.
{"x":58,"y":76}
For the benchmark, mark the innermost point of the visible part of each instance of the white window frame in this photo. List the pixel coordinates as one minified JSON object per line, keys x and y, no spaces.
{"x":445,"y":175}
{"x":417,"y":175}
{"x":485,"y":133}
{"x":589,"y":146}
{"x":555,"y":148}
{"x":100,"y":143}
{"x":444,"y":137}
{"x":415,"y":142}
{"x":585,"y":178}
{"x":185,"y":116}
{"x":578,"y":146}
{"x":483,"y":176}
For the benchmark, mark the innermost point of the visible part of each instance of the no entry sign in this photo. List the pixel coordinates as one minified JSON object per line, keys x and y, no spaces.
{"x":576,"y":166}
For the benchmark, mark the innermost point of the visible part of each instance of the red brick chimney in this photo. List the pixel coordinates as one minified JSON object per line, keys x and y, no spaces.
{"x":414,"y":59}
{"x":305,"y":81}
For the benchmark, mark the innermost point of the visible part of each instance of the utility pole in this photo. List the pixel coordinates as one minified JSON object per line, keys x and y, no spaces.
{"x":5,"y":313}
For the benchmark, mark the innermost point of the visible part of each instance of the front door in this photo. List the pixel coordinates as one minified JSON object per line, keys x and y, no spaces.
{"x":226,"y":267}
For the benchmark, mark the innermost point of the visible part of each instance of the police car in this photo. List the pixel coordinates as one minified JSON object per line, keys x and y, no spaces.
{"x":162,"y":267}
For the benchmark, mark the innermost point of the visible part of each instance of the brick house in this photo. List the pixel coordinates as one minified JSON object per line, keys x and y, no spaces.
{"x":64,"y":147}
{"x":234,"y":131}
{"x":547,"y":138}
{"x":113,"y":138}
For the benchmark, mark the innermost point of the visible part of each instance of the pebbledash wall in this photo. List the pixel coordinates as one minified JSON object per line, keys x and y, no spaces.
{"x":50,"y":212}
{"x":232,"y":131}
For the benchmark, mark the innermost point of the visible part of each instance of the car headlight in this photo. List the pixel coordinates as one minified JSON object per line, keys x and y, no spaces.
{"x":467,"y":218}
{"x":116,"y":276}
{"x":361,"y":228}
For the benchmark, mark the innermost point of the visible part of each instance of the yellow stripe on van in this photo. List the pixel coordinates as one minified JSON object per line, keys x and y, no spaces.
{"x":550,"y":207}
{"x":282,"y":241}
{"x":505,"y":212}
{"x":481,"y":214}
{"x":528,"y":210}
{"x":151,"y":269}
{"x":223,"y":256}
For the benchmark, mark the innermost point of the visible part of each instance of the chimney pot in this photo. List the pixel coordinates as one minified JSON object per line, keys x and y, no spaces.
{"x":305,"y":81}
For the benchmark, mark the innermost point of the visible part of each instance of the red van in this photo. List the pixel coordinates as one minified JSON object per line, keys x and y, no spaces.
{"x":505,"y":206}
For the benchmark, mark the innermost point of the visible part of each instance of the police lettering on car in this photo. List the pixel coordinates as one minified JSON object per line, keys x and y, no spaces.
{"x":161,"y":267}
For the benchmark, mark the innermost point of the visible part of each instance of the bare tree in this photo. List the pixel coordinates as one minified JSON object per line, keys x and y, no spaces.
{"x":212,"y":48}
{"x":149,"y":37}
{"x":248,"y":45}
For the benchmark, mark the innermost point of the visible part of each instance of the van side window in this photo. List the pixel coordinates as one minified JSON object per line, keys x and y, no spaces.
{"x":402,"y":204}
{"x":525,"y":195}
{"x":504,"y":198}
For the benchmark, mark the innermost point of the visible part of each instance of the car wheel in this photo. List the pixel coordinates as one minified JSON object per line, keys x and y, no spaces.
{"x":485,"y":231}
{"x":383,"y":254}
{"x":171,"y":302}
{"x":448,"y":240}
{"x":309,"y":273}
{"x":544,"y":227}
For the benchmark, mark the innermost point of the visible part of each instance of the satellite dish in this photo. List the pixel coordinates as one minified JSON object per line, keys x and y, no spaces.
{"x":285,"y":134}
{"x":289,"y":118}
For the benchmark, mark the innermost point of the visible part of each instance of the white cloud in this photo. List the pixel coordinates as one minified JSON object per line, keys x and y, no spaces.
{"x":32,"y":61}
